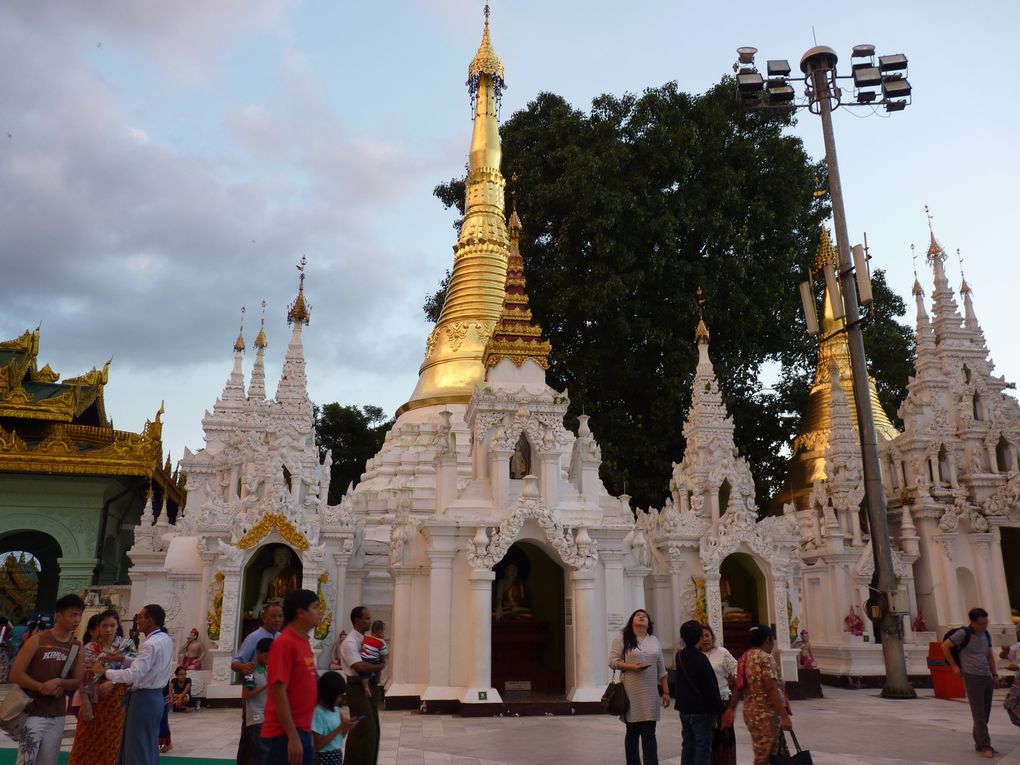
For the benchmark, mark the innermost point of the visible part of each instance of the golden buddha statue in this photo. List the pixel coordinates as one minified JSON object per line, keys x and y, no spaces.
{"x":730,"y":613}
{"x":511,"y":597}
{"x":279,"y":580}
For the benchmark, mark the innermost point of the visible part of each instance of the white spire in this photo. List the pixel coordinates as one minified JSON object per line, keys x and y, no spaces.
{"x":257,"y":388}
{"x":844,"y":474}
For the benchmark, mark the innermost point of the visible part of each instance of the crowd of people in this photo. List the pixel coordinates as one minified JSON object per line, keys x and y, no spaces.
{"x":123,"y":687}
{"x":710,"y":683}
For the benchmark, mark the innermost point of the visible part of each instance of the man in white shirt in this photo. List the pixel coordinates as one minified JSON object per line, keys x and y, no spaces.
{"x":362,"y":747}
{"x":148,"y":673}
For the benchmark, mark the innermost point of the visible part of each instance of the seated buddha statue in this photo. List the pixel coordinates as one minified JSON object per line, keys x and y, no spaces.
{"x":511,"y":597}
{"x":731,"y":613}
{"x":279,"y":580}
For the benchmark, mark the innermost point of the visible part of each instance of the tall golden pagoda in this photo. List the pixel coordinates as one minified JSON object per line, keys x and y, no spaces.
{"x":474,"y":299}
{"x":807,"y":463}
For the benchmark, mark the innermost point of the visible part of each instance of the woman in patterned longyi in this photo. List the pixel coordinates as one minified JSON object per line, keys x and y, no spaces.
{"x":637,"y":653}
{"x":766,"y":709}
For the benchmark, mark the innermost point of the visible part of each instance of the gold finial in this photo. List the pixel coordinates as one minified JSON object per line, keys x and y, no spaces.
{"x":514,"y":224}
{"x":701,"y":334}
{"x":239,"y":343}
{"x":300,"y":311}
{"x":260,"y":341}
{"x":917,"y":284}
{"x":964,"y":287}
{"x":934,"y":248}
{"x":485,"y":61}
{"x":827,"y":254}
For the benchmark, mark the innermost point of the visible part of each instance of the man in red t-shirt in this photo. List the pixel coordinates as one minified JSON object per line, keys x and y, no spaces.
{"x":293,"y":685}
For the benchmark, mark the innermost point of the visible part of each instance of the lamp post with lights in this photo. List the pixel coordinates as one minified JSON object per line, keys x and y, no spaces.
{"x":876,"y":84}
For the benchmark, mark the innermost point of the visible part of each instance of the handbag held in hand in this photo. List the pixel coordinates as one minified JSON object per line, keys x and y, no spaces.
{"x":802,"y":756}
{"x":614,"y":700}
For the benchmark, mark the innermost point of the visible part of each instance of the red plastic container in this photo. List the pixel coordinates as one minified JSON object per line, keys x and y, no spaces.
{"x":946,"y":683}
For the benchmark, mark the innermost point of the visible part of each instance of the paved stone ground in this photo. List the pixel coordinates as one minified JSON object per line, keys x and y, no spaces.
{"x":845,"y":728}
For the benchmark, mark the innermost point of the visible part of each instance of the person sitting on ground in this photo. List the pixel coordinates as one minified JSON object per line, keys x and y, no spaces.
{"x":373,"y":650}
{"x":180,"y":691}
{"x":329,"y":724}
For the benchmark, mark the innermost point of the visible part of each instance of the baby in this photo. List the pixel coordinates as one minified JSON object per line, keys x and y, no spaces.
{"x":373,"y":650}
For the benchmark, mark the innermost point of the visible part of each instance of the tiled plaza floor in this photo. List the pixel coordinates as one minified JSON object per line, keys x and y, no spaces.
{"x":845,"y":728}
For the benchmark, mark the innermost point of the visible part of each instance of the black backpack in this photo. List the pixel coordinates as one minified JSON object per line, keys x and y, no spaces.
{"x":967,"y":632}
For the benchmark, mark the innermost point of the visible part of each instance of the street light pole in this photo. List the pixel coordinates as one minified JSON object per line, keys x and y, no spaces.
{"x":819,"y":64}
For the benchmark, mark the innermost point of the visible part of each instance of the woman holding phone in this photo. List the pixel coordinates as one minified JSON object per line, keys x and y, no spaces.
{"x":637,"y":654}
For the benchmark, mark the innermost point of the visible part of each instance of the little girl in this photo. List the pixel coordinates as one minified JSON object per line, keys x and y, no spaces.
{"x":328,"y":725}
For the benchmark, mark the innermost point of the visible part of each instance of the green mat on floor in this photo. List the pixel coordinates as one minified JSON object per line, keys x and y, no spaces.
{"x":8,"y":756}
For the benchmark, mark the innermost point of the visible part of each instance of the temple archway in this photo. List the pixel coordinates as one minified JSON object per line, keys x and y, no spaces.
{"x":272,"y":572}
{"x":529,"y":624}
{"x":34,"y":584}
{"x":743,"y":591}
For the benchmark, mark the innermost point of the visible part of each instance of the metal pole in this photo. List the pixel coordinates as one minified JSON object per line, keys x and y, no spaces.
{"x":818,"y":63}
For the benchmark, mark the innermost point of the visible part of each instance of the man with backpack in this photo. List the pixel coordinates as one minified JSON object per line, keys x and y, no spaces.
{"x":969,"y":652}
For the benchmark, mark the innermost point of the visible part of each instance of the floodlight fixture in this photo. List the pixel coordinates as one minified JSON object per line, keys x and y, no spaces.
{"x":807,"y":300}
{"x":832,"y":288}
{"x":895,"y":87}
{"x":778,"y":67}
{"x":866,"y":96}
{"x":745,"y":55}
{"x":863,"y":51}
{"x":779,"y":91}
{"x":893,"y":63}
{"x":749,"y":81}
{"x":861,"y":273}
{"x":867,"y":76}
{"x":895,"y":106}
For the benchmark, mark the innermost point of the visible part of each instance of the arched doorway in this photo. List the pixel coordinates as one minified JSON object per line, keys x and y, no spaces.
{"x":743,"y":592}
{"x":528,"y":624}
{"x":272,"y":572}
{"x":40,"y":573}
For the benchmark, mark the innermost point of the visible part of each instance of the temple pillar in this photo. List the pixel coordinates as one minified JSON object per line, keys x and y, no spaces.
{"x":480,"y":690}
{"x":499,"y":472}
{"x":663,"y":605}
{"x":356,"y":587}
{"x":949,"y":596}
{"x":446,"y":477}
{"x":589,"y":679}
{"x":677,"y":569}
{"x":402,"y":652}
{"x":634,"y":577}
{"x":713,"y":503}
{"x":1000,"y":610}
{"x":75,"y":574}
{"x":981,"y":544}
{"x":616,"y":591}
{"x":341,"y":607}
{"x":549,"y":477}
{"x":713,"y":604}
{"x":440,"y":624}
{"x":855,"y":527}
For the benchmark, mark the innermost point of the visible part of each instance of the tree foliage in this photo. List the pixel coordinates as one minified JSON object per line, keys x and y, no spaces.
{"x":627,"y":210}
{"x":354,"y":434}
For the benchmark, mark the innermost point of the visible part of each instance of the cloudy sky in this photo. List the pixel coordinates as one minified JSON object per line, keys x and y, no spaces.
{"x":163,"y":164}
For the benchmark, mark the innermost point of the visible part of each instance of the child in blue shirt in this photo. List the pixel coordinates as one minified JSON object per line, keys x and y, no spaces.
{"x":328,"y":724}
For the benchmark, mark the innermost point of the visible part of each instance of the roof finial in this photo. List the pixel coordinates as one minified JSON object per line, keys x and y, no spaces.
{"x":514,"y":224}
{"x":701,"y":334}
{"x":917,"y":283}
{"x":934,"y":248}
{"x":260,"y":341}
{"x":239,"y":343}
{"x":486,"y":62}
{"x":964,"y":287}
{"x":300,"y":311}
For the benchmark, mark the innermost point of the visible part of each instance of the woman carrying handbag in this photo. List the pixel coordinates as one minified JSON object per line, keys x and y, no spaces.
{"x":637,"y":654}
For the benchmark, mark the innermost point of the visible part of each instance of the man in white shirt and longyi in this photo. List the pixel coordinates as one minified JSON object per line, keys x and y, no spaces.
{"x":148,"y":674}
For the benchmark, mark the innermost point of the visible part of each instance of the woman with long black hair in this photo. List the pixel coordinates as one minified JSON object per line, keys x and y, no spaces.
{"x":637,"y":654}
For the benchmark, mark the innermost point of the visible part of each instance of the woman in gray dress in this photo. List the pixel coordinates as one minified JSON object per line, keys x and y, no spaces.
{"x":637,"y":653}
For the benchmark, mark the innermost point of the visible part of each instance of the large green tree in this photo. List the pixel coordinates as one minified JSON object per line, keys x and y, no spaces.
{"x":627,"y":210}
{"x":354,"y":434}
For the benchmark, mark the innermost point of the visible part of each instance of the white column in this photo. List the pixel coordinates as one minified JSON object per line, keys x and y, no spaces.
{"x":999,"y":597}
{"x":616,"y":592}
{"x":713,"y":604}
{"x":980,"y":544}
{"x":480,"y":690}
{"x":589,"y":681}
{"x":499,"y":470}
{"x":341,"y":607}
{"x":549,"y":477}
{"x":440,"y":625}
{"x":405,"y":641}
{"x":635,"y":583}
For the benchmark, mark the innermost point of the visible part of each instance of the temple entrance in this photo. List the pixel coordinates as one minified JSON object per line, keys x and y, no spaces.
{"x":528,"y":625}
{"x":1011,"y":552}
{"x":29,"y":573}
{"x":272,"y":573}
{"x":742,"y":590}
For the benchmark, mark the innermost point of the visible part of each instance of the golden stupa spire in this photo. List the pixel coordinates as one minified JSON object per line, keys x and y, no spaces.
{"x":516,"y":336}
{"x":701,"y":333}
{"x":300,"y":312}
{"x":807,"y":463}
{"x":239,"y":342}
{"x":261,"y":343}
{"x":474,"y":298}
